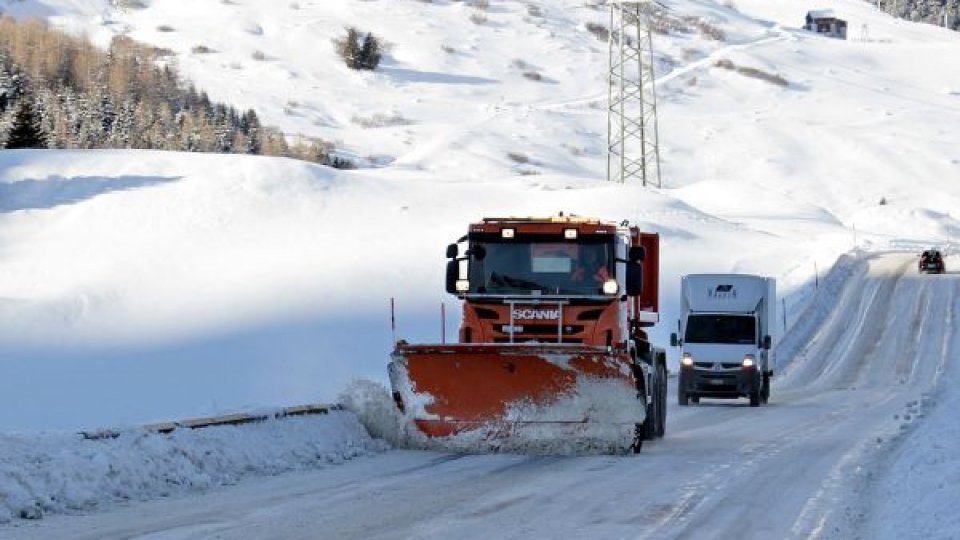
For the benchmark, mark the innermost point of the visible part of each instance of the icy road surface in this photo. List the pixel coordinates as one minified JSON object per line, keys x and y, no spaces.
{"x":862,"y":361}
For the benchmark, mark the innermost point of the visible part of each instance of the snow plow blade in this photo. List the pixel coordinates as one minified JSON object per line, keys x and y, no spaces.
{"x":515,"y":397}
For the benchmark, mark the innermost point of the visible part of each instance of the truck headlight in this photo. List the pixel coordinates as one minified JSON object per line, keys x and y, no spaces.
{"x":610,"y":287}
{"x":463,"y":285}
{"x":749,"y":361}
{"x":686,"y":360}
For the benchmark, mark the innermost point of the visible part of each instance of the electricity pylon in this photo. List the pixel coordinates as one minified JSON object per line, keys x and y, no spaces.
{"x":633,"y":153}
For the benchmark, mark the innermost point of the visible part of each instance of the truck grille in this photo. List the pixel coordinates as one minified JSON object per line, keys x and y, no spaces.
{"x":711,"y":366}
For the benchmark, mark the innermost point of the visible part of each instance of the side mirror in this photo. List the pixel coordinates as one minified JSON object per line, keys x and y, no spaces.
{"x":478,"y":252}
{"x":673,"y":340}
{"x":767,"y":342}
{"x":453,"y":274}
{"x":452,"y":251}
{"x":637,"y":254}
{"x":634,"y":279}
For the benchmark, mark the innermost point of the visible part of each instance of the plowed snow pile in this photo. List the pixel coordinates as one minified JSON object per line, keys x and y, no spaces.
{"x":595,"y":398}
{"x":63,"y":473}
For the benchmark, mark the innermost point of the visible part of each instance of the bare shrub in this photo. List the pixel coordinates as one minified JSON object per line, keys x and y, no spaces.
{"x":754,"y":73}
{"x":517,"y":157}
{"x":201,"y":49}
{"x":533,"y":76}
{"x":710,"y":31}
{"x":381,"y":120}
{"x":311,"y":149}
{"x":724,"y":63}
{"x":129,"y":4}
{"x":478,"y":17}
{"x":165,"y":28}
{"x":258,"y":55}
{"x":772,"y":78}
{"x":691,"y":54}
{"x":534,"y":10}
{"x":162,"y":52}
{"x":598,"y":30}
{"x":448,"y":49}
{"x":664,"y":22}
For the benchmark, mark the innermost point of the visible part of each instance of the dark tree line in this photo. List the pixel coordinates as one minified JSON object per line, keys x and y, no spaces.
{"x":58,"y":91}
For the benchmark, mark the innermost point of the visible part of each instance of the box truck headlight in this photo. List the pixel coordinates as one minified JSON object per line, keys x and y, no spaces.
{"x":570,"y":234}
{"x":610,"y":287}
{"x":463,"y":285}
{"x":686,"y":360}
{"x":749,"y":361}
{"x":508,"y":233}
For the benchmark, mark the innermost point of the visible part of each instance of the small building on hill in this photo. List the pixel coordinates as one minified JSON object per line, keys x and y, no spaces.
{"x":825,"y":22}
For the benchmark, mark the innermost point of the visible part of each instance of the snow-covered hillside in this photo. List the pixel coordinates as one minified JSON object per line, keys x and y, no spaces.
{"x":145,"y":286}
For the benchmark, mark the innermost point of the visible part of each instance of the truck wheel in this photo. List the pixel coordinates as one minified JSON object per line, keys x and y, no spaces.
{"x":650,"y":424}
{"x":682,"y":399}
{"x":662,"y":400}
{"x":765,"y":393}
{"x":755,"y":398}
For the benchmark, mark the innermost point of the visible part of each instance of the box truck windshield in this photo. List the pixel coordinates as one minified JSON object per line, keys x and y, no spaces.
{"x":727,"y":329}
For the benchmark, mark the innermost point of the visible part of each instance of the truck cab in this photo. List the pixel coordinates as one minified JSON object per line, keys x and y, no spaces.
{"x":562,"y":280}
{"x":725,"y":338}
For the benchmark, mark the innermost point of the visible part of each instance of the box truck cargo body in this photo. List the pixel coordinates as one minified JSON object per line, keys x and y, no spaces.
{"x":726,"y":324}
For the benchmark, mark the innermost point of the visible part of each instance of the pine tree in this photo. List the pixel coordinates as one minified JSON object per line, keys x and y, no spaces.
{"x":250,"y":126}
{"x":26,"y":131}
{"x":370,"y":53}
{"x":349,"y":48}
{"x":359,"y":53}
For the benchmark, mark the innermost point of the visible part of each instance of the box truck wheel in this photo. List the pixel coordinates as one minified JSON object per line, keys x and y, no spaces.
{"x":765,"y":393}
{"x":682,"y":399}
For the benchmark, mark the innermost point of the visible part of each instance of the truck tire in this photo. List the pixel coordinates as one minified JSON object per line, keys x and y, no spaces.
{"x":765,"y":393}
{"x":755,"y":398}
{"x":662,"y":400}
{"x":682,"y":399}
{"x":657,"y":418}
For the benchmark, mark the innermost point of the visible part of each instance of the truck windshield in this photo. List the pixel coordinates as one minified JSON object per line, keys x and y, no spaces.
{"x":543,"y":267}
{"x":729,"y":329}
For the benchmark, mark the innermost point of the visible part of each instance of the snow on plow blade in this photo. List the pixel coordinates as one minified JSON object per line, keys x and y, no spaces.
{"x":518,"y":397}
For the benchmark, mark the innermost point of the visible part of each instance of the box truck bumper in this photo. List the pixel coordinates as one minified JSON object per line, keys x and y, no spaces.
{"x":720,"y":384}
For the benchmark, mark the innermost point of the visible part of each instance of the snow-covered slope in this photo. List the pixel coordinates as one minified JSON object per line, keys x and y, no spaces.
{"x":143,"y":286}
{"x":236,"y":281}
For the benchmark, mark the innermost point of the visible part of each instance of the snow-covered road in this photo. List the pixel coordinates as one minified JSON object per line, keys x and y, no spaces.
{"x":865,"y":359}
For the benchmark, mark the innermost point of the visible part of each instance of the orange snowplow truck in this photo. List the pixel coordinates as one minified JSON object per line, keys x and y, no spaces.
{"x":552,"y":344}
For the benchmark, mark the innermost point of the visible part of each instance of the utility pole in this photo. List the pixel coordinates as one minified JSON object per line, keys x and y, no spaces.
{"x":633,"y":152}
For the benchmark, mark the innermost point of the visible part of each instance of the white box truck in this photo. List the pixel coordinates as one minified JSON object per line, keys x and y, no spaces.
{"x":726,"y":323}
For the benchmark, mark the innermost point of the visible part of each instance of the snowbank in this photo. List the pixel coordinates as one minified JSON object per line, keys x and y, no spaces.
{"x":40,"y":474}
